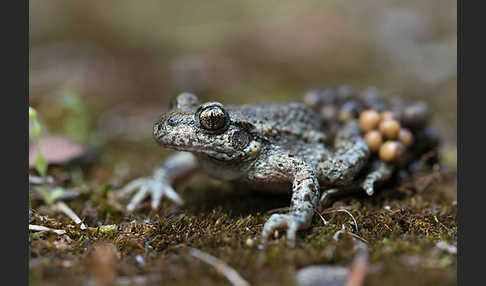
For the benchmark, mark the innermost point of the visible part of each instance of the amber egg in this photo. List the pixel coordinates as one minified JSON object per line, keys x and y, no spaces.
{"x":406,"y":137}
{"x":374,"y":139}
{"x":391,"y":151}
{"x":387,"y":115}
{"x":369,"y":120}
{"x":389,"y":128}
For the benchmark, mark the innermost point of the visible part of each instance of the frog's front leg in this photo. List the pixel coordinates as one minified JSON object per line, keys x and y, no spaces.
{"x":160,"y":184}
{"x":305,"y":197}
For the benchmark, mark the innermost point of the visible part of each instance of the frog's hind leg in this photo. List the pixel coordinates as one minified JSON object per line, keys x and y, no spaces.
{"x":381,"y":172}
{"x":350,"y":156}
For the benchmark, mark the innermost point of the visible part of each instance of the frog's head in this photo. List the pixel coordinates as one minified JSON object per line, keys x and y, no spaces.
{"x":206,"y":129}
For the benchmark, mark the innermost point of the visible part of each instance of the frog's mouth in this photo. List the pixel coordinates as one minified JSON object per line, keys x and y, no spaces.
{"x":213,"y":152}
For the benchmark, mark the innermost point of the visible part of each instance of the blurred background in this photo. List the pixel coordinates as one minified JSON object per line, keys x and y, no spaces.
{"x":102,"y":71}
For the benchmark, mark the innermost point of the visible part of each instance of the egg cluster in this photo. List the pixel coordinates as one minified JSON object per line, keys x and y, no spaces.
{"x":396,"y":130}
{"x":384,"y":135}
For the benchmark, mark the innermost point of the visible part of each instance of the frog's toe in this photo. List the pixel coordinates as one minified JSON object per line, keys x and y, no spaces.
{"x":161,"y":190}
{"x":138,"y":197}
{"x":157,"y":195}
{"x":293,"y":226}
{"x":276,"y":221}
{"x":148,"y":186}
{"x":132,"y":186}
{"x":281,"y":221}
{"x":369,"y":188}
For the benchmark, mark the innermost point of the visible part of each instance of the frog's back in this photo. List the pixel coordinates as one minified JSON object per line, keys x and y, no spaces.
{"x":285,"y":121}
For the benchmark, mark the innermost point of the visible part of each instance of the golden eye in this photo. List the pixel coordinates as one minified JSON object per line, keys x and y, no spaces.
{"x":213,"y":118}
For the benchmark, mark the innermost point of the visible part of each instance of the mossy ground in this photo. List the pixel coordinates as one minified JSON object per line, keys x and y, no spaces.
{"x":401,"y":226}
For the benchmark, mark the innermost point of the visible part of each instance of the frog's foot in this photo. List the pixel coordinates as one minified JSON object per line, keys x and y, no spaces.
{"x":281,"y":221}
{"x":156,"y":187}
{"x":381,"y":172}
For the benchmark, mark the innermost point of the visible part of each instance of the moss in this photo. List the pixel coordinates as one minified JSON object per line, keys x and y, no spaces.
{"x":399,"y":224}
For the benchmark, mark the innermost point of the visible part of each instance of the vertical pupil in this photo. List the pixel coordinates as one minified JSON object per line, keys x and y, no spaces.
{"x":214,"y":118}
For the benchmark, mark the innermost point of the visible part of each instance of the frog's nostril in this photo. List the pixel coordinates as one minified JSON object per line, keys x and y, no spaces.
{"x":157,"y":127}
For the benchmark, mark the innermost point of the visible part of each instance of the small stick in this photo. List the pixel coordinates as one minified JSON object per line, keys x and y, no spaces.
{"x":357,"y":236}
{"x":220,"y":266}
{"x":61,"y":206}
{"x":277,"y":210}
{"x":336,"y":235}
{"x":35,"y":227}
{"x":39,"y":180}
{"x":343,"y":230}
{"x":325,"y":222}
{"x":437,"y":220}
{"x":359,"y":267}
{"x":346,"y":211}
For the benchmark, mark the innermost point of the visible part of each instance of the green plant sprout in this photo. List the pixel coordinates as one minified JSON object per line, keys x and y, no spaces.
{"x":78,"y":124}
{"x":50,"y":196}
{"x":35,"y":131}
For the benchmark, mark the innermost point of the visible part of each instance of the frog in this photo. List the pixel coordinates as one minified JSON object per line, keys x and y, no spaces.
{"x":277,"y":146}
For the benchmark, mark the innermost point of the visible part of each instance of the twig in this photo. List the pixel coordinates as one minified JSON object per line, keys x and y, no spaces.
{"x":387,"y":227}
{"x":356,"y":236}
{"x":69,"y":194}
{"x":428,"y":181}
{"x":61,"y":206}
{"x":437,"y":220}
{"x":277,"y":210}
{"x":343,"y":210}
{"x":325,"y":221}
{"x":343,"y":230}
{"x":336,"y":235}
{"x":35,"y":227}
{"x":220,"y":266}
{"x":358,"y":270}
{"x":36,"y":180}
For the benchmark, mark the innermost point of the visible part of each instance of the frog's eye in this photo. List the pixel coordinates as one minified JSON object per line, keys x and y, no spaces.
{"x":213,"y":117}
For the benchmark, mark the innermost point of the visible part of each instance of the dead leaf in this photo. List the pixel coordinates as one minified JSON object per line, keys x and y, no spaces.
{"x":56,"y":150}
